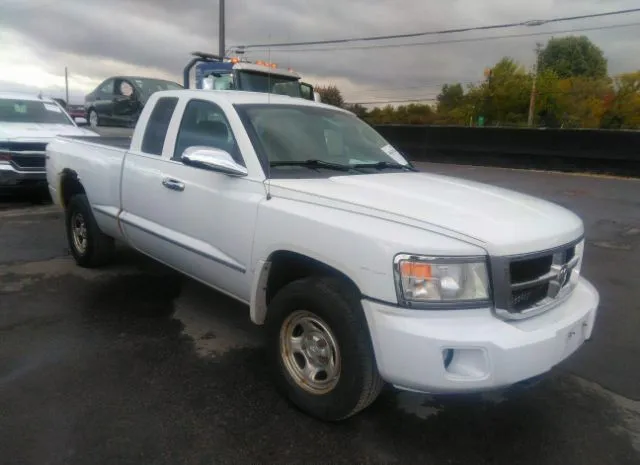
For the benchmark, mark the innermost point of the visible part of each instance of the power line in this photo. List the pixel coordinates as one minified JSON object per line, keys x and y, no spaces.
{"x":538,"y":22}
{"x":450,"y":41}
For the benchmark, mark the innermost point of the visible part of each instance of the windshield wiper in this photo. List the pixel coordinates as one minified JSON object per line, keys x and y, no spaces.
{"x":313,"y":163}
{"x":384,"y":164}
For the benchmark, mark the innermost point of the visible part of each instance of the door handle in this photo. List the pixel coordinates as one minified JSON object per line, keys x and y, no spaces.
{"x":173,"y":184}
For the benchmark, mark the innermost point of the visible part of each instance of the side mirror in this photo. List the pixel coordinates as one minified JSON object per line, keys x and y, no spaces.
{"x":213,"y":159}
{"x":80,"y":121}
{"x":316,"y":97}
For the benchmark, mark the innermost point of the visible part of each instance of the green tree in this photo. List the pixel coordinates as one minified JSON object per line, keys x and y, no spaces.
{"x":574,"y":56}
{"x":450,"y":97}
{"x":506,"y":94}
{"x":623,"y":109}
{"x":547,"y":110}
{"x":385,"y":115}
{"x":331,"y":95}
{"x":359,"y":110}
{"x":581,"y":102}
{"x":415,"y":113}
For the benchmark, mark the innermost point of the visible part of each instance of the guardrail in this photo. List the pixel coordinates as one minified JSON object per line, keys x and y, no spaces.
{"x":575,"y":150}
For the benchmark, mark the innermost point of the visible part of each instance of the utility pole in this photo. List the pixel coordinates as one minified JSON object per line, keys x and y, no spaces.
{"x":221,"y":29}
{"x":66,"y":85}
{"x":532,"y":100}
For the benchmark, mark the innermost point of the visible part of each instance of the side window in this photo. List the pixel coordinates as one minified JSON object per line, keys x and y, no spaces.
{"x":205,"y":124}
{"x":306,"y":91}
{"x":126,"y":88}
{"x":106,"y":89}
{"x":117,"y":87}
{"x":157,"y":125}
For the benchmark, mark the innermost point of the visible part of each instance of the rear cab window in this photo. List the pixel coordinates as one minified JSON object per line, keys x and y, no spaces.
{"x":157,"y":125}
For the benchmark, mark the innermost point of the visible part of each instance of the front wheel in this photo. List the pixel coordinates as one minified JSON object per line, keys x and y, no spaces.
{"x":320,"y":349}
{"x":89,"y":246}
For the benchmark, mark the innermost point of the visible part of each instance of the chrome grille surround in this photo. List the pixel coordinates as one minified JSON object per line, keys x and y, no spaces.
{"x":25,"y":156}
{"x":553,"y":279}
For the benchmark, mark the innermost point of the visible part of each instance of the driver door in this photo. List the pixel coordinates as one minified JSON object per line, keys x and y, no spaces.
{"x":200,"y":222}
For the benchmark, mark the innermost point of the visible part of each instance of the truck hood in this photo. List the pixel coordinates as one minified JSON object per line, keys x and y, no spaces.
{"x":501,"y":221}
{"x":35,"y":131}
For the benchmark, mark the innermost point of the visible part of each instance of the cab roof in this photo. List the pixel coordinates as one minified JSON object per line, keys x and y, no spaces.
{"x":247,"y":97}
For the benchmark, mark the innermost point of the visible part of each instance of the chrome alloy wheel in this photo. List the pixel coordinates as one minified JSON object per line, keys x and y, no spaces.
{"x":310,"y":352}
{"x":79,"y":233}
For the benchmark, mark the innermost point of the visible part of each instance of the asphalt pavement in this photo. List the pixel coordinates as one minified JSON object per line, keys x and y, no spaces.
{"x":134,"y":364}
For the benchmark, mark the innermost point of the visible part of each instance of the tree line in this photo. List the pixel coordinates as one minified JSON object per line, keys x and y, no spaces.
{"x":572,"y":90}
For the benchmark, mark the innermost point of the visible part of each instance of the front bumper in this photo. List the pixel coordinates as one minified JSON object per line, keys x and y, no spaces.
{"x":488,"y":353}
{"x":11,"y":176}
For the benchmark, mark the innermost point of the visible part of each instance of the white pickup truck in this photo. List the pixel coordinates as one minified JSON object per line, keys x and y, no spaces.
{"x":362,"y":269}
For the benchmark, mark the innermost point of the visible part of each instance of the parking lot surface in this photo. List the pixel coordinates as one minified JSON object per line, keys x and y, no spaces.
{"x":133,"y":364}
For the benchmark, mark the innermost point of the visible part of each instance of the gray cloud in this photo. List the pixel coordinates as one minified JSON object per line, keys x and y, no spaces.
{"x":90,"y":35}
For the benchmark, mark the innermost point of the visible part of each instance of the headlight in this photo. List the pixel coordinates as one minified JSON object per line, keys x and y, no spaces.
{"x":433,"y":282}
{"x":579,"y":254}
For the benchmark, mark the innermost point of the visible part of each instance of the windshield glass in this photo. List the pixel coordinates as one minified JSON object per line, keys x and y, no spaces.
{"x":149,"y":86}
{"x":32,"y":111}
{"x":296,"y":133}
{"x":218,"y":81}
{"x":269,"y":83}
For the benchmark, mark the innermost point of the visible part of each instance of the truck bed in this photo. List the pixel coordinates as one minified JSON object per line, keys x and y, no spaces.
{"x":120,"y":142}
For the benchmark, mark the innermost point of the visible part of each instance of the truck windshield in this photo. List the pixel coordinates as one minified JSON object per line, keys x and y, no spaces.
{"x":32,"y":111}
{"x":269,"y":83}
{"x":299,"y":136}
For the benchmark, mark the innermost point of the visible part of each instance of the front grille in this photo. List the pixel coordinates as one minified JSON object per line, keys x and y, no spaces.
{"x":530,"y":284}
{"x":525,"y":298}
{"x":527,"y":270}
{"x":28,"y":161}
{"x":26,"y":155}
{"x":23,"y":146}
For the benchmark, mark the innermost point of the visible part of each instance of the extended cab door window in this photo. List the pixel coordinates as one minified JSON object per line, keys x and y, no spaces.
{"x":205,"y":124}
{"x":157,"y":125}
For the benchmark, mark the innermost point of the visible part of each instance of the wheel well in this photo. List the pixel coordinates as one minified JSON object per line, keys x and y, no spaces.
{"x":286,"y":267}
{"x":69,"y":186}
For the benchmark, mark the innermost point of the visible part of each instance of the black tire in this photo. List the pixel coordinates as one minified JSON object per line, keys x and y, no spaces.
{"x":99,"y":247}
{"x":336,"y":304}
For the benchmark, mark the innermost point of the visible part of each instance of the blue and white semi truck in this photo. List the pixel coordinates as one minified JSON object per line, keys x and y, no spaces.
{"x":224,"y":73}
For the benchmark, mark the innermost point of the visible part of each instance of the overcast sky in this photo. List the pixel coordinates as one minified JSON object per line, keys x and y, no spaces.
{"x":99,"y":38}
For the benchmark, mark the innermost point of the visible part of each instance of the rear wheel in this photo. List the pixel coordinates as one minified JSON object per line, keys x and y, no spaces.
{"x":320,"y":349}
{"x":89,"y":246}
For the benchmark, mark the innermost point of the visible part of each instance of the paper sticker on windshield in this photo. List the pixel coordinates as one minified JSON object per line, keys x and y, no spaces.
{"x":393,"y":153}
{"x":52,"y":107}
